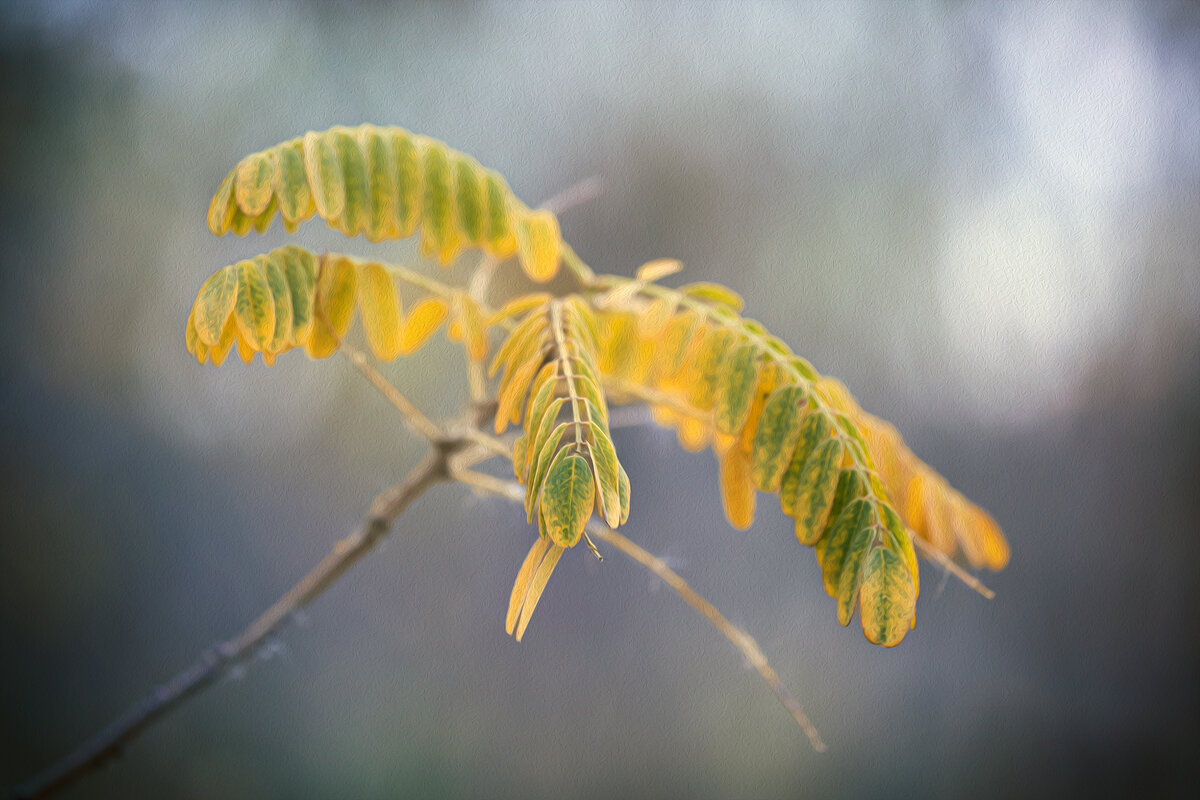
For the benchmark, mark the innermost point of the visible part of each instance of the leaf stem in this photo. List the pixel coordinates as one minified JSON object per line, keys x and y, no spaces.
{"x":413,"y":417}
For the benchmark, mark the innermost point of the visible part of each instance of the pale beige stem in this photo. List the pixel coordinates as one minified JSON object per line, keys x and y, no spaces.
{"x":413,"y":417}
{"x":946,"y":563}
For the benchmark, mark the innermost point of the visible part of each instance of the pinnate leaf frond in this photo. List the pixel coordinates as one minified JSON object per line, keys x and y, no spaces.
{"x":777,"y":426}
{"x":387,"y":183}
{"x":564,"y":455}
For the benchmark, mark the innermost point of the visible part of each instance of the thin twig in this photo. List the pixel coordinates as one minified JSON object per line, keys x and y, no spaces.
{"x":946,"y":563}
{"x":217,"y":660}
{"x":575,"y":195}
{"x":413,"y":417}
{"x":740,"y":639}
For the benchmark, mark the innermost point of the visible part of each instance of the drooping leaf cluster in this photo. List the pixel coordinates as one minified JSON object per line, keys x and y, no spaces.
{"x":565,"y":455}
{"x":857,"y":495}
{"x":722,"y":380}
{"x":289,"y":298}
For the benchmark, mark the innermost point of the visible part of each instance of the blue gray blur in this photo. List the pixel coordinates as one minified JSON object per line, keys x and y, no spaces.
{"x":984,"y":218}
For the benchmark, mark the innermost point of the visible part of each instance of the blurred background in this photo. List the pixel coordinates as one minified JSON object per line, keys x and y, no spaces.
{"x":984,"y":218}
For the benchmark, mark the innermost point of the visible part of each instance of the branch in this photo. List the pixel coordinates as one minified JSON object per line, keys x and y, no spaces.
{"x":740,"y":639}
{"x":217,"y":660}
{"x":947,"y":563}
{"x":413,"y":418}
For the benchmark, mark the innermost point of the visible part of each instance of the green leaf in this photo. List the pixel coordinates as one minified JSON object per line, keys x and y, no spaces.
{"x":858,"y":445}
{"x":814,"y":429}
{"x":714,"y":293}
{"x":707,"y":365}
{"x":586,"y":389}
{"x":438,"y":231}
{"x":356,"y":214}
{"x":543,"y":388}
{"x":470,"y":201}
{"x":623,"y":486}
{"x":300,"y":270}
{"x":255,"y":183}
{"x":851,"y":577}
{"x":850,"y":486}
{"x":214,"y":305}
{"x":324,"y":175}
{"x":735,"y":388}
{"x":604,"y":457}
{"x":887,"y":598}
{"x":381,"y":184}
{"x":254,"y":307}
{"x":816,"y":486}
{"x":291,"y":186}
{"x":281,"y":294}
{"x":901,"y":542}
{"x":410,"y":188}
{"x":545,"y":452}
{"x":854,"y":518}
{"x":805,"y":369}
{"x":499,"y":231}
{"x":776,"y":437}
{"x":567,"y":499}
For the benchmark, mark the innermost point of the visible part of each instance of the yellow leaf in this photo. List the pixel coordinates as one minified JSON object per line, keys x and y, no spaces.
{"x":423,"y":321}
{"x":524,"y":576}
{"x":474,"y":331}
{"x":655,"y":270}
{"x":536,"y":586}
{"x":737,"y":490}
{"x":334,"y":307}
{"x":379,"y":303}
{"x":256,"y":182}
{"x":538,"y":245}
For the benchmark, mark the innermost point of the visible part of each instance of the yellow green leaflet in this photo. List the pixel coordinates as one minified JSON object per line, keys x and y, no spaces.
{"x":388,"y":183}
{"x":567,"y":498}
{"x":887,"y":598}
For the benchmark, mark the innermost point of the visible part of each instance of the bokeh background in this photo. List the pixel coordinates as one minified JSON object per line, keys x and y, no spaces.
{"x":984,"y":218}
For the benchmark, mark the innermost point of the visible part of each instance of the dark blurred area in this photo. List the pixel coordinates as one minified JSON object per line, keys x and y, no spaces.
{"x":984,"y":218}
